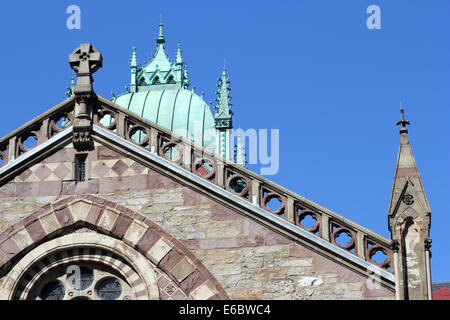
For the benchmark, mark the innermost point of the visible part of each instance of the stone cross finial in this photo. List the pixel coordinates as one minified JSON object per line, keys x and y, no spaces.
{"x":85,"y":60}
{"x":403,"y":122}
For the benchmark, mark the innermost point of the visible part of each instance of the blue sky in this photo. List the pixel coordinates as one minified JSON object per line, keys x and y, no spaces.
{"x":311,"y":69}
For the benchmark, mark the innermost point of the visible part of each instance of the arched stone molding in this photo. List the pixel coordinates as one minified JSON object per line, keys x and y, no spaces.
{"x":408,"y":214}
{"x":106,"y":250}
{"x":118,"y":222}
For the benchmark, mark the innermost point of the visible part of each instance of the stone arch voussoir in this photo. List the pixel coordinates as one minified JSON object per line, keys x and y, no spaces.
{"x":119,"y":222}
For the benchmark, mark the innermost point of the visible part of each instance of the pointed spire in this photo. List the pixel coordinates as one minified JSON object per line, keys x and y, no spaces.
{"x":133,"y":61}
{"x":407,"y":179}
{"x":409,"y":217}
{"x":133,"y":65}
{"x":179,"y":58}
{"x":223,"y":114}
{"x":160,"y":39}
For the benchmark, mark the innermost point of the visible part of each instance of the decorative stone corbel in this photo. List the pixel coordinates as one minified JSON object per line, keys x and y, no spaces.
{"x":85,"y":61}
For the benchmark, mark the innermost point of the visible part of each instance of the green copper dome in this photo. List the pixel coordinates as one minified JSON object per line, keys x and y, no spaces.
{"x":159,"y":93}
{"x":176,"y":109}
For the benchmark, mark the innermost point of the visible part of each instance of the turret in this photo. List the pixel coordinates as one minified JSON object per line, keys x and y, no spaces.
{"x":409,"y":220}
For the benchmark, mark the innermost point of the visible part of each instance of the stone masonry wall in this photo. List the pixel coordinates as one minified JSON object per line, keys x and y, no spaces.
{"x":249,"y":260}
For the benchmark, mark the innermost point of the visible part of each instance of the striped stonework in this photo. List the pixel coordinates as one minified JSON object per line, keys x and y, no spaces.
{"x":181,"y":274}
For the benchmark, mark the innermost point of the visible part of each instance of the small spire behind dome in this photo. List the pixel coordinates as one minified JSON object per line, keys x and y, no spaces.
{"x":179,"y":59}
{"x":160,"y":39}
{"x":185,"y":77}
{"x":223,"y":114}
{"x":69,"y":92}
{"x":133,"y":65}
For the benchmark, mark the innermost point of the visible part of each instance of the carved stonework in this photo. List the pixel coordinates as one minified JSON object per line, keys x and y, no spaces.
{"x":428,"y":244}
{"x":395,"y":246}
{"x":408,"y":199}
{"x":85,"y":60}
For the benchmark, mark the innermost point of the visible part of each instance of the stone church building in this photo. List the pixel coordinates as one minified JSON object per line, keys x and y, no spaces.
{"x":139,"y":197}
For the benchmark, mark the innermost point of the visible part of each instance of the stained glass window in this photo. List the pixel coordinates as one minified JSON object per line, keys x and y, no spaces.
{"x":108,"y":289}
{"x":53,"y":291}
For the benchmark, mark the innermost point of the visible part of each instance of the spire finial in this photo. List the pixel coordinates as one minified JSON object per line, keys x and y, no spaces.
{"x":403,"y":122}
{"x":133,"y":61}
{"x":223,"y":115}
{"x":179,"y":58}
{"x":160,"y":39}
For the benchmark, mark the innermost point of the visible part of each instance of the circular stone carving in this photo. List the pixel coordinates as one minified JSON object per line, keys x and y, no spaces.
{"x":408,"y":199}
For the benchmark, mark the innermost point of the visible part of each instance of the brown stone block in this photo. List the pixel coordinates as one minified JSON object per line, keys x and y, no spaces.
{"x":35,"y":215}
{"x":7,"y":233}
{"x":8,"y":190}
{"x":120,"y":184}
{"x":182,"y":269}
{"x":252,"y":228}
{"x":221,"y":291}
{"x":376,"y":290}
{"x":9,"y":248}
{"x":192,"y":281}
{"x":64,"y":217}
{"x":215,"y":297}
{"x":240,"y":242}
{"x":219,"y":212}
{"x":86,"y":187}
{"x":346,"y":275}
{"x":171,"y":259}
{"x":27,"y":189}
{"x":163,"y":295}
{"x":3,"y":259}
{"x":163,"y":282}
{"x":193,"y":198}
{"x":148,"y":240}
{"x":203,"y":244}
{"x":296,"y":250}
{"x":156,"y":180}
{"x":50,"y":188}
{"x":178,"y":295}
{"x":63,"y":202}
{"x":36,"y":231}
{"x":105,"y":153}
{"x":62,"y":155}
{"x":273,"y":238}
{"x":68,"y":187}
{"x":24,"y":175}
{"x":121,"y":226}
{"x":93,"y":215}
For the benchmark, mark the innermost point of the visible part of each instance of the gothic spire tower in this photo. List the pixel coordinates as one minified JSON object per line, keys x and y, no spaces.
{"x":409,"y":223}
{"x":223,"y":116}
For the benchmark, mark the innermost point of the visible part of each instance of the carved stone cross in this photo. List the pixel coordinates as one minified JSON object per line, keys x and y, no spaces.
{"x":84,"y":60}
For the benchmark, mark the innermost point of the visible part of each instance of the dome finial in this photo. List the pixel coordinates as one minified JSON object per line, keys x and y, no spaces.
{"x":160,"y":39}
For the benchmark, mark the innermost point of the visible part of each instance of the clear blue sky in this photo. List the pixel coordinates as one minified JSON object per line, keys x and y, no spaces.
{"x":309,"y":68}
